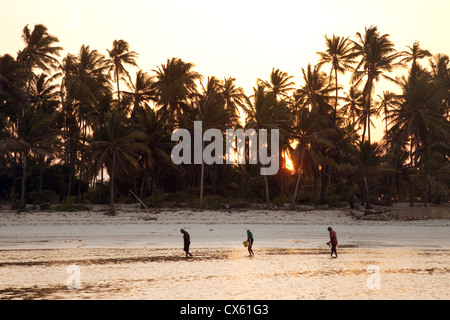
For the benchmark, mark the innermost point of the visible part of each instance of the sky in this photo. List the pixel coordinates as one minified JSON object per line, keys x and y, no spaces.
{"x":243,"y":39}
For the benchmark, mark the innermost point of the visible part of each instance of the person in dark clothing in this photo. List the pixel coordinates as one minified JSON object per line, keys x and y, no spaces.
{"x":250,"y":242}
{"x":187,"y":242}
{"x":333,"y":241}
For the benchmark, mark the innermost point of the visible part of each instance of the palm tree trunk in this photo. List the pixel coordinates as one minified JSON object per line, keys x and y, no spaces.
{"x":111,"y":186}
{"x":351,"y":193}
{"x":24,"y":180}
{"x":144,"y":179}
{"x":118,"y":90}
{"x":300,"y":170}
{"x":266,"y":183}
{"x":201,"y":184}
{"x":323,"y":183}
{"x":201,"y":178}
{"x":41,"y":173}
{"x":369,"y":102}
{"x":425,"y":194}
{"x":366,"y":187}
{"x":411,"y":193}
{"x":336,"y":102}
{"x":364,"y":130}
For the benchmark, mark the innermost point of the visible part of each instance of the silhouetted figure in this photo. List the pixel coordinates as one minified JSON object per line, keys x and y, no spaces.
{"x":333,"y":241}
{"x":250,"y":242}
{"x":187,"y":242}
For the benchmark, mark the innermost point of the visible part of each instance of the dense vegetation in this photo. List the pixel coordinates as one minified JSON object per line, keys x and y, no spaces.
{"x":81,"y":129}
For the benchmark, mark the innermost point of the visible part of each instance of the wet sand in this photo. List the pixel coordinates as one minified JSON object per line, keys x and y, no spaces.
{"x":220,"y":273}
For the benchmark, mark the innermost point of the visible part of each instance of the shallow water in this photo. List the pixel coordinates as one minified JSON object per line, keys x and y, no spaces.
{"x":225,"y":273}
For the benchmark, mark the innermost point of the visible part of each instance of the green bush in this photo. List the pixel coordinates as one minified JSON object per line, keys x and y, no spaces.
{"x":69,"y":205}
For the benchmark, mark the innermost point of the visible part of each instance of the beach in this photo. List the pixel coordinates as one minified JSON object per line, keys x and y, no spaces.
{"x":138,"y":254}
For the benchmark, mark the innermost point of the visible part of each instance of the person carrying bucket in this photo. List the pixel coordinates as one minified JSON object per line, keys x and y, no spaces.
{"x":250,"y":242}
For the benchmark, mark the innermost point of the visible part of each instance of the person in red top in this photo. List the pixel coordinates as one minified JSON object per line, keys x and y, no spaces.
{"x":333,"y":241}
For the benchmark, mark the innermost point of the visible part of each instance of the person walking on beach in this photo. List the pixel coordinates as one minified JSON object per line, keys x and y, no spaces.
{"x":187,"y":242}
{"x":333,"y":241}
{"x":250,"y":242}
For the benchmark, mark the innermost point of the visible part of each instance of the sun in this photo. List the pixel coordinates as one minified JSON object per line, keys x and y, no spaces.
{"x":288,"y":162}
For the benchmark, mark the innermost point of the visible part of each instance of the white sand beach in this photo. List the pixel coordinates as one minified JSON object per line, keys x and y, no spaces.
{"x":138,"y":255}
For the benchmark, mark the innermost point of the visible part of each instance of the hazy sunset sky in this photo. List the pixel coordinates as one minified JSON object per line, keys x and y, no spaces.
{"x":244,"y":39}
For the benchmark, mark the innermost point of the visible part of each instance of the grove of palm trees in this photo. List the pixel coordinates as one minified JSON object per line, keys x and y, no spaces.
{"x":87,"y":128}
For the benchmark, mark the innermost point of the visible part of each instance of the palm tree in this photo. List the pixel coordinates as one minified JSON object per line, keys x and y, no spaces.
{"x":339,"y":54}
{"x":141,"y":92}
{"x":314,"y":94}
{"x":117,"y":146}
{"x":369,"y":161}
{"x":211,"y":109}
{"x":388,"y":100}
{"x":440,"y":70}
{"x":354,"y":106}
{"x":280,"y":83}
{"x":84,"y":81}
{"x":420,"y":116}
{"x":152,"y":123}
{"x":36,"y":135}
{"x":315,"y":91}
{"x":39,"y":51}
{"x":264,"y":111}
{"x":119,"y":56}
{"x":377,"y":56}
{"x":414,"y":54}
{"x":234,"y":96}
{"x":175,"y":83}
{"x":313,"y":134}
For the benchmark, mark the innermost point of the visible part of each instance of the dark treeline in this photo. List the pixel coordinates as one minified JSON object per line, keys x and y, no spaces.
{"x":82,"y":129}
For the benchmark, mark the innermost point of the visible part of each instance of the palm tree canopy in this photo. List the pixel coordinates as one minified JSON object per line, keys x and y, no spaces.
{"x":280,"y":83}
{"x":175,"y":82}
{"x":339,"y":53}
{"x":119,"y":56}
{"x":39,"y":48}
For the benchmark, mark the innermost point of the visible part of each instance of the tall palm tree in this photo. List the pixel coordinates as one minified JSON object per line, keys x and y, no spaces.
{"x":315,"y":90}
{"x":264,"y":111}
{"x":312,"y":133}
{"x":377,"y":56}
{"x":420,"y":116}
{"x":440,"y":70}
{"x":84,"y":81}
{"x":39,"y":51}
{"x":281,"y":85}
{"x":152,"y":123}
{"x":339,"y":54}
{"x":234,"y":96}
{"x":117,"y":146}
{"x":314,"y":94}
{"x":119,"y":56}
{"x":369,"y":162}
{"x":36,"y":135}
{"x":211,"y":109}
